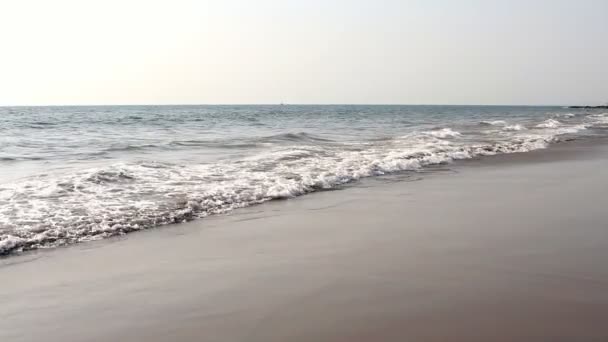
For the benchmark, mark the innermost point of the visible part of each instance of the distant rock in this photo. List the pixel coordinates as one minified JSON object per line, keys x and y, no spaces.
{"x":590,"y":107}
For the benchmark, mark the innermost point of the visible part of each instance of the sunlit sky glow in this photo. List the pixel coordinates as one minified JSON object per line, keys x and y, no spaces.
{"x":308,"y":51}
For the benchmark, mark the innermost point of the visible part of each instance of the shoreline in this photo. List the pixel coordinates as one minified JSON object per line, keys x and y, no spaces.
{"x":488,"y":253}
{"x":567,"y":149}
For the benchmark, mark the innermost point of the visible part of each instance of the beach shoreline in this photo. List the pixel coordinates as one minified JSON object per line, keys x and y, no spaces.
{"x":141,"y":167}
{"x":509,"y":251}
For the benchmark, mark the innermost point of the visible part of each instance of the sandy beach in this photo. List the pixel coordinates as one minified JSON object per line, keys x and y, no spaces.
{"x":508,"y":248}
{"x":304,"y":171}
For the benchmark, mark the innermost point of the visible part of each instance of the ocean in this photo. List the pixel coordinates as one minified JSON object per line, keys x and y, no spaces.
{"x":73,"y":174}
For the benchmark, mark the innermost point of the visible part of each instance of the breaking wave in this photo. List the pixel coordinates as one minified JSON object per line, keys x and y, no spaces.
{"x":550,"y":123}
{"x":108,"y":196}
{"x":493,"y":123}
{"x":511,"y":128}
{"x":443,"y":133}
{"x":96,"y":203}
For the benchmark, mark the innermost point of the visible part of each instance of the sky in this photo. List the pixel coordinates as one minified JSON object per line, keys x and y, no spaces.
{"x":86,"y":52}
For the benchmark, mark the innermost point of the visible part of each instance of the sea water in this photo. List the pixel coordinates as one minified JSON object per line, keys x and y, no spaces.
{"x":72,"y":174}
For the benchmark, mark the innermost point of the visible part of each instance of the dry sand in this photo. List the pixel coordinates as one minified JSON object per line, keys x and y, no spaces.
{"x":510,"y":249}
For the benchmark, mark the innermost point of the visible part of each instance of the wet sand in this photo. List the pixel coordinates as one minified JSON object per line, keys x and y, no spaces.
{"x":509,"y":248}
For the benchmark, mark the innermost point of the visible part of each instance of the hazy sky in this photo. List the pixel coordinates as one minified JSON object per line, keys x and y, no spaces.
{"x":305,"y":51}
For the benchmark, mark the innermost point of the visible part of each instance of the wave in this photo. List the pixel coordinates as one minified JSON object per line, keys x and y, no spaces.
{"x":227,"y":144}
{"x":443,"y":133}
{"x":566,"y":115}
{"x":514,"y":128}
{"x":599,"y":119}
{"x":549,"y":123}
{"x":131,"y":147}
{"x":49,"y":211}
{"x":41,"y":124}
{"x":570,"y":129}
{"x":20,"y":158}
{"x":295,"y":137}
{"x":493,"y":123}
{"x":300,"y":137}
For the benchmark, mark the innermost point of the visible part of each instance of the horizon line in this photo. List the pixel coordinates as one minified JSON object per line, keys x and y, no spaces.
{"x":289,"y":104}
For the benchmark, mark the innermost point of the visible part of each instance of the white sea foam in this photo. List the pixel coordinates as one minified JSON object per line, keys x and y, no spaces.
{"x":549,"y":123}
{"x":569,"y":129}
{"x":9,"y":243}
{"x":599,"y":119}
{"x":443,"y":133}
{"x":512,"y":128}
{"x":494,"y":123}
